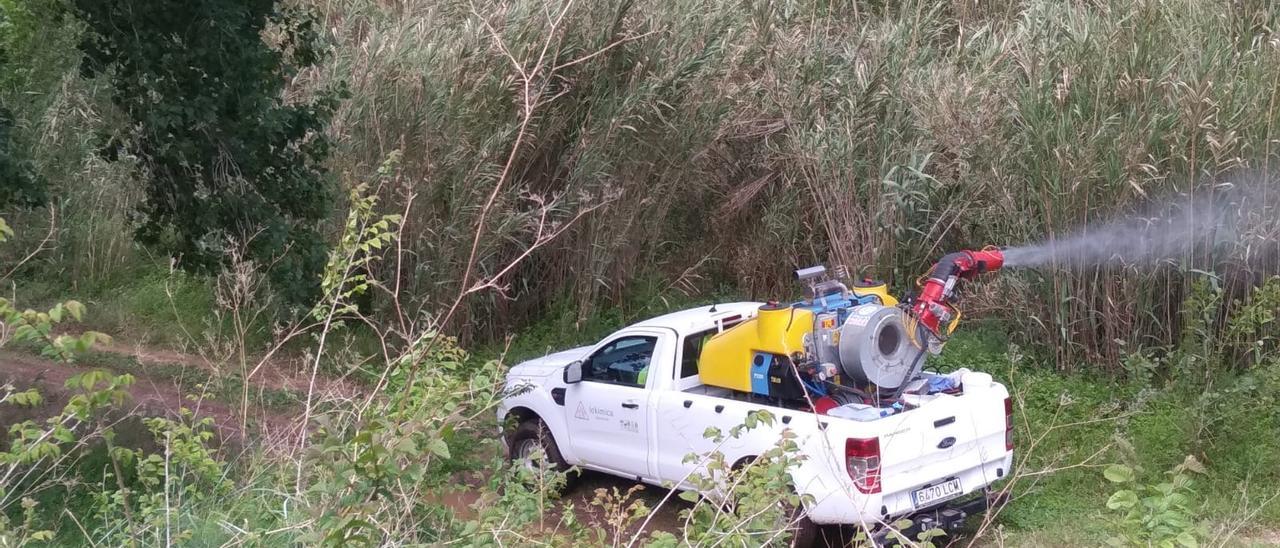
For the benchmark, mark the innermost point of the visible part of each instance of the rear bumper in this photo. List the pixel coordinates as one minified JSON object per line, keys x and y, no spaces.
{"x":848,"y":507}
{"x":948,"y":517}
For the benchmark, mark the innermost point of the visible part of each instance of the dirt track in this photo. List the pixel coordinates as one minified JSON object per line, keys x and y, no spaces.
{"x":149,"y":396}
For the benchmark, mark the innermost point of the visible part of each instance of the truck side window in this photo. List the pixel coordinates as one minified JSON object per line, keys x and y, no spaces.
{"x":692,"y":351}
{"x":624,"y":361}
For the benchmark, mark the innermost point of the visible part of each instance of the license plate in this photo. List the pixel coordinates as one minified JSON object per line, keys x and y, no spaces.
{"x":934,"y":494}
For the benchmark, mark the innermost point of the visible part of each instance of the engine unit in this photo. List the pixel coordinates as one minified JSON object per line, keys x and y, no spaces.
{"x":839,"y":334}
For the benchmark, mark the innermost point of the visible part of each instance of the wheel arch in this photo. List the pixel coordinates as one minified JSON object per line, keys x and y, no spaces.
{"x":521,"y":413}
{"x":743,"y":461}
{"x":554,"y":423}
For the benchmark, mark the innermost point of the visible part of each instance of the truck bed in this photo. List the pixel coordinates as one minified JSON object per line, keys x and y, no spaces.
{"x":943,"y":438}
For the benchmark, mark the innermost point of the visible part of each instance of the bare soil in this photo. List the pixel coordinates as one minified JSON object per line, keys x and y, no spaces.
{"x":280,"y":373}
{"x":150,"y":396}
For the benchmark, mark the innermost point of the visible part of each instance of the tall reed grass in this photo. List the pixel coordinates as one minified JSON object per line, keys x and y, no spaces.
{"x":733,"y":142}
{"x":746,"y":139}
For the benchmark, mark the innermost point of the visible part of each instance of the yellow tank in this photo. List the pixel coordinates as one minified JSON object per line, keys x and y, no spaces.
{"x":881,"y":290}
{"x":727,"y":358}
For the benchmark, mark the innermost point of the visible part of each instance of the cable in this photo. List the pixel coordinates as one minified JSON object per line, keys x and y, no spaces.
{"x":911,"y":372}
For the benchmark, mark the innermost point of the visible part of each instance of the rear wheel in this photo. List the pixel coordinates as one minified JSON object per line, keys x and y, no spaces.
{"x":804,"y":532}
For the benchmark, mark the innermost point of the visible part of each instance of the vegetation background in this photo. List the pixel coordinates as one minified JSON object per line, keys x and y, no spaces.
{"x":525,"y":175}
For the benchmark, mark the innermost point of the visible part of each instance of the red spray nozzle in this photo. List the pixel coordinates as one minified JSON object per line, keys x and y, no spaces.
{"x":931,"y":307}
{"x":966,"y":264}
{"x":989,"y":259}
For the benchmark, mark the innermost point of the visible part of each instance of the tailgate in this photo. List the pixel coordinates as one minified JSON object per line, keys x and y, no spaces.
{"x":949,"y":439}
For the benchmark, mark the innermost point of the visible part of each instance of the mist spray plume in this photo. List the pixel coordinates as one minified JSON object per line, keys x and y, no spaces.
{"x":1231,"y":218}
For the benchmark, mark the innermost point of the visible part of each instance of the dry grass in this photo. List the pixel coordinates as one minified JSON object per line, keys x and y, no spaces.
{"x":727,"y":144}
{"x":751,"y":141}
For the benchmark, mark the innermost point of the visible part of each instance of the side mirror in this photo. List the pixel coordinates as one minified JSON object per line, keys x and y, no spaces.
{"x":573,"y":372}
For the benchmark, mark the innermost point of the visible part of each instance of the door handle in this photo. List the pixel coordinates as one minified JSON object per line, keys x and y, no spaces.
{"x":631,"y":405}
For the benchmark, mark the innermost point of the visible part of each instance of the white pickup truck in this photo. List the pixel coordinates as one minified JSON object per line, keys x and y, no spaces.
{"x":633,"y":405}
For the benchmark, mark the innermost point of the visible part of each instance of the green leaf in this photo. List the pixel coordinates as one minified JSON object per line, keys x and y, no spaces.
{"x":64,"y":435}
{"x":25,"y":332}
{"x":27,"y":398}
{"x":1187,"y":540}
{"x":438,"y":447}
{"x":75,"y":308}
{"x":1118,"y":473}
{"x":1122,"y":499}
{"x":90,"y":338}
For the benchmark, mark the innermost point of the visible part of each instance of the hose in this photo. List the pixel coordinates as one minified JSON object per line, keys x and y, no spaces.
{"x":915,"y":364}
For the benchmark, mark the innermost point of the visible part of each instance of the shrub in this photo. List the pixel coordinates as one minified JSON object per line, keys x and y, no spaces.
{"x":1163,"y":514}
{"x":230,"y":162}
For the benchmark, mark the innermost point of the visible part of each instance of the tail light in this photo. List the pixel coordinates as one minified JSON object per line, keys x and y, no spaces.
{"x":1008,"y":424}
{"x":862,"y":458}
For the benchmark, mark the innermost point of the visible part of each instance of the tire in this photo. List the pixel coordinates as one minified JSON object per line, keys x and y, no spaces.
{"x":804,"y":532}
{"x":527,"y":439}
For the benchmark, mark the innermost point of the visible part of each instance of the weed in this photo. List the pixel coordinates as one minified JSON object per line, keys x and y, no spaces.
{"x":1154,"y":515}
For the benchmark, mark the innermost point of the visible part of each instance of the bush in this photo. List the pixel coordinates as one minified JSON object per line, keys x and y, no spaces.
{"x":1155,"y":515}
{"x":230,"y":163}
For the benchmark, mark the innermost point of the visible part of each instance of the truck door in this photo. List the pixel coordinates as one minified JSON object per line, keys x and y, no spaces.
{"x":608,"y":411}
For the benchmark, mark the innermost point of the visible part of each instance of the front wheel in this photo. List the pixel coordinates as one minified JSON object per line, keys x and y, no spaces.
{"x":532,"y":446}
